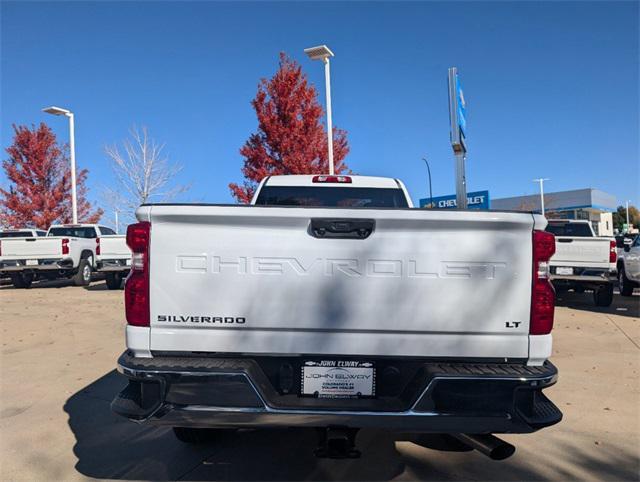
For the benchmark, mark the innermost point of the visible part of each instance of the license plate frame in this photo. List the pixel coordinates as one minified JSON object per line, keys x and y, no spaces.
{"x":564,"y":271}
{"x":338,"y":379}
{"x":31,"y":262}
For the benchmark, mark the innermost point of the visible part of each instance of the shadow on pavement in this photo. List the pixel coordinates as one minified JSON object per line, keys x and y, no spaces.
{"x":110,"y":447}
{"x":59,"y":283}
{"x":621,"y":306}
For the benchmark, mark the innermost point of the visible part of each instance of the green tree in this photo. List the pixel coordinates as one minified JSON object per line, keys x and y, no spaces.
{"x":620,"y":217}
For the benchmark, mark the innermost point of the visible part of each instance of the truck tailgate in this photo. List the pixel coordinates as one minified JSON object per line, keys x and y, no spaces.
{"x":20,"y":248}
{"x":113,"y":247}
{"x":581,"y":252}
{"x":254,"y":279}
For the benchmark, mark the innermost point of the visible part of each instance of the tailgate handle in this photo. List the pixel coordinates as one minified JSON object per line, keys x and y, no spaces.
{"x":30,"y":239}
{"x":342,"y":228}
{"x":561,"y":240}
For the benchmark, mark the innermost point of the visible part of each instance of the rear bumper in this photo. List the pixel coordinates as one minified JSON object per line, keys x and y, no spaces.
{"x":113,"y":265}
{"x":444,"y":397}
{"x":585,"y":275}
{"x":44,"y":264}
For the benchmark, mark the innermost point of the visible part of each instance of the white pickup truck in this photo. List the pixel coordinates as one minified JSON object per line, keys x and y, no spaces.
{"x":583,"y":260}
{"x":332,"y":303}
{"x":22,"y":233}
{"x":18,"y":233}
{"x":114,"y":258}
{"x":67,"y":251}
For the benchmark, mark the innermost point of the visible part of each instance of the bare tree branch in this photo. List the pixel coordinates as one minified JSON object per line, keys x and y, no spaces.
{"x":143,"y":173}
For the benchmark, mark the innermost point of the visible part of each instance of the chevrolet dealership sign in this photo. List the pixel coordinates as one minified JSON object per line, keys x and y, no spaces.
{"x":475,"y":200}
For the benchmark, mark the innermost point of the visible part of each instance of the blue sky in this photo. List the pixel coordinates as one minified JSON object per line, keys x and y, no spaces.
{"x":552,"y":88}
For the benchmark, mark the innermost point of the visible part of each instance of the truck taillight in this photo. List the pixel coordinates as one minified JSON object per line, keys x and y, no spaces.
{"x":97,"y":246}
{"x":136,"y":289}
{"x":613,"y":254}
{"x":333,"y":179}
{"x":543,"y":296}
{"x":65,"y":246}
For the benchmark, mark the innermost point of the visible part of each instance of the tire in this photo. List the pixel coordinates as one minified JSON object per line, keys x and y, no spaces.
{"x":22,"y":280}
{"x":625,"y":285}
{"x":83,"y":276}
{"x":603,"y":296}
{"x":114,"y":281}
{"x":189,"y":435}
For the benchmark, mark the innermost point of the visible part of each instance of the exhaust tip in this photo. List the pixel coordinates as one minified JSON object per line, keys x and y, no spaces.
{"x":502,"y":451}
{"x":487,"y":444}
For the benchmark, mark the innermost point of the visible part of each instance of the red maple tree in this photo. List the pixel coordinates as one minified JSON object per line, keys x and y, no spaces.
{"x":39,"y":192}
{"x":291,"y":138}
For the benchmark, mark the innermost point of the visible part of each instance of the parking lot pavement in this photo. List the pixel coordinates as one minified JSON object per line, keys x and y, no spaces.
{"x":60,"y":343}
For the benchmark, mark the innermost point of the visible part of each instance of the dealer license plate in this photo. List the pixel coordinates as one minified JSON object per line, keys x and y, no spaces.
{"x":564,"y":270}
{"x":32,"y":262}
{"x":338,"y":379}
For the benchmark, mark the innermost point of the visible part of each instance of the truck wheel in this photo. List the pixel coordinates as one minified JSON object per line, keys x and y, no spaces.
{"x":189,"y":435}
{"x":114,"y":281}
{"x":22,"y":280}
{"x":603,"y":296}
{"x":83,"y":276}
{"x":624,"y":284}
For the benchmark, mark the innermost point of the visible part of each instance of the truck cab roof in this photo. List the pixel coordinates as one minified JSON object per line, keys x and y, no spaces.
{"x":325,"y":180}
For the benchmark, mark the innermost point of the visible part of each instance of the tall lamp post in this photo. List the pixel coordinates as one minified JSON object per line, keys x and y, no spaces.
{"x":541,"y":181}
{"x":65,"y":112}
{"x":628,"y":227}
{"x":430,"y":190}
{"x":322,"y":52}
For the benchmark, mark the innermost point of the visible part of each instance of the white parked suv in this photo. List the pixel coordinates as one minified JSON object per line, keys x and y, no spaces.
{"x":629,"y":267}
{"x":67,"y":251}
{"x":332,"y":303}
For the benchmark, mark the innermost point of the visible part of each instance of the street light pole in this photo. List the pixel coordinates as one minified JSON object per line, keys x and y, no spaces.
{"x":627,"y":215}
{"x":327,"y":82}
{"x":323,"y":53}
{"x":72,"y":147}
{"x":430,"y":190}
{"x":541,"y":181}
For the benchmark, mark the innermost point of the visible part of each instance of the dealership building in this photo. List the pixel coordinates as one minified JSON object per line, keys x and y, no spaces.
{"x":591,"y":204}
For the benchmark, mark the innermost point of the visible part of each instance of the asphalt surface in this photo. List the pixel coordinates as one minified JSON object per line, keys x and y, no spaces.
{"x":60,"y":344}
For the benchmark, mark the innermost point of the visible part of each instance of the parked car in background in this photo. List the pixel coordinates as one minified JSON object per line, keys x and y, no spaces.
{"x":629,"y":266}
{"x":18,"y":233}
{"x":622,"y":240}
{"x":22,"y":233}
{"x":67,"y":251}
{"x":582,"y":260}
{"x":114,"y":258}
{"x":330,"y":303}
